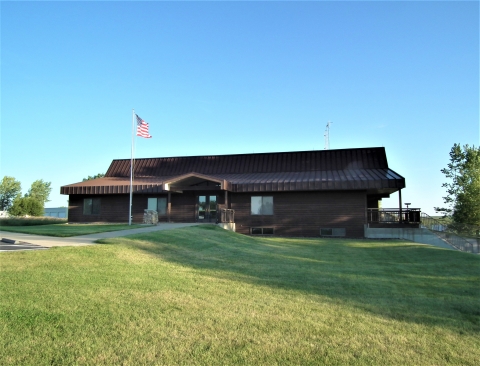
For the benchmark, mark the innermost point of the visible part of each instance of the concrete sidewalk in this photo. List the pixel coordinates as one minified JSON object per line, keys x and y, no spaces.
{"x":51,"y":241}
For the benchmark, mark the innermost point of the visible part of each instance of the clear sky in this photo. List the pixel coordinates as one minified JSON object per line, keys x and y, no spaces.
{"x":237,"y":77}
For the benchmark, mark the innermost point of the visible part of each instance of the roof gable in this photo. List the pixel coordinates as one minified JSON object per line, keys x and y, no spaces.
{"x":299,"y":161}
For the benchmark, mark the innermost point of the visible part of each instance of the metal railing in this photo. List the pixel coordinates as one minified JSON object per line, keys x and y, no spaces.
{"x":393,"y":215}
{"x":227,"y":215}
{"x":462,"y":237}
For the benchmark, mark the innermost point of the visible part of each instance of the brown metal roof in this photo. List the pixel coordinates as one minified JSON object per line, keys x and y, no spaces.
{"x":346,"y":169}
{"x":315,"y":160}
{"x":110,"y":185}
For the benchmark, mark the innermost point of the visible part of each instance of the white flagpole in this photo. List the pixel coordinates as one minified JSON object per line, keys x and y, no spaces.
{"x":131,"y":171}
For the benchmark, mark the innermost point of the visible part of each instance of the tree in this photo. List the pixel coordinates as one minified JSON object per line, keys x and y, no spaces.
{"x":26,"y":206}
{"x":9,"y":189}
{"x":40,"y":191}
{"x":463,"y":191}
{"x":99,"y":175}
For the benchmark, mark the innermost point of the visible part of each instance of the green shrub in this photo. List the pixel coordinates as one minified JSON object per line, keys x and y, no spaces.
{"x":30,"y":221}
{"x":26,"y":206}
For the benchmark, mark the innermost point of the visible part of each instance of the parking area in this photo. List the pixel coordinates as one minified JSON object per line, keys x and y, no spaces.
{"x":10,"y":247}
{"x":10,"y":241}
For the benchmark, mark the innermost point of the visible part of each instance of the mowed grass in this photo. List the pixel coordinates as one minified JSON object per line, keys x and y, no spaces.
{"x":205,"y":296}
{"x":66,"y":230}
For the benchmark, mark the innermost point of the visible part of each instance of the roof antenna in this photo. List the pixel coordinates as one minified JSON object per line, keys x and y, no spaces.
{"x":327,"y":137}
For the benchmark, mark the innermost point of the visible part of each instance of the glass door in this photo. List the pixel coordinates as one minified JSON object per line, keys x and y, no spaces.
{"x":207,"y":208}
{"x":201,"y":208}
{"x":212,"y":208}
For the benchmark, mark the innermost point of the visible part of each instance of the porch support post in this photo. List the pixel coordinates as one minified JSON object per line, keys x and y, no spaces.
{"x":400,"y":205}
{"x":226,"y":199}
{"x":169,"y":206}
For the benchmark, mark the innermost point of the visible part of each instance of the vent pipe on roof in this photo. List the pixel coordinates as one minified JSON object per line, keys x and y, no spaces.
{"x":327,"y":137}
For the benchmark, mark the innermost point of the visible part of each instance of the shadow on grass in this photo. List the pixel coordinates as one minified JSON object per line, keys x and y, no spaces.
{"x":395,"y":279}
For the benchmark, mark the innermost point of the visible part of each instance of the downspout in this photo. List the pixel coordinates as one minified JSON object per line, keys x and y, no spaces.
{"x":169,"y":206}
{"x":400,"y":205}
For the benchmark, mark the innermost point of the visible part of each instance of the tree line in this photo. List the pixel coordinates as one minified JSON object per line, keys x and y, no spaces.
{"x":462,"y":202}
{"x":32,"y":203}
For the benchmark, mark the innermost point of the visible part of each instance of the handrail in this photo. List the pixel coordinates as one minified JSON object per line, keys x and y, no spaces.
{"x":227,"y":215}
{"x":453,"y":234}
{"x":450,"y":234}
{"x":393,"y":215}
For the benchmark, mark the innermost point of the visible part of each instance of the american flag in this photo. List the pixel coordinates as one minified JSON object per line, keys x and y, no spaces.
{"x":142,"y":128}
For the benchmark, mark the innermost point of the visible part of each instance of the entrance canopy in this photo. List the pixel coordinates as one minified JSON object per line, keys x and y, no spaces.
{"x":195,"y":181}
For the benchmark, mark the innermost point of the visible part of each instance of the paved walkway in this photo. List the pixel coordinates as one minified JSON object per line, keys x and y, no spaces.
{"x":50,"y":241}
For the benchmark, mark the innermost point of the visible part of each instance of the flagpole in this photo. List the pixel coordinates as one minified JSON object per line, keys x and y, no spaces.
{"x":131,"y":171}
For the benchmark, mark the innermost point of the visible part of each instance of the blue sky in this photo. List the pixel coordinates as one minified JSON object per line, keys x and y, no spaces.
{"x":237,"y":77}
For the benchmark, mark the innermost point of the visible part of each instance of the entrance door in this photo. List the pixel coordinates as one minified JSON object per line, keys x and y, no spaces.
{"x":207,"y":208}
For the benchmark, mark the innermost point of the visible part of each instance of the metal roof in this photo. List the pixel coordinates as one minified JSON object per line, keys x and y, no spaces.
{"x":345,"y":169}
{"x":315,"y":160}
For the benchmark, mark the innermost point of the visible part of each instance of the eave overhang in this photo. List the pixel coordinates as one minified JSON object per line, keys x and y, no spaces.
{"x":193,"y":179}
{"x":113,"y":186}
{"x":374,"y":181}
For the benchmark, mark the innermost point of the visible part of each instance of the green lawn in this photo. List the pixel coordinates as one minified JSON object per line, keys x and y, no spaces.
{"x":64,"y":230}
{"x":205,"y":296}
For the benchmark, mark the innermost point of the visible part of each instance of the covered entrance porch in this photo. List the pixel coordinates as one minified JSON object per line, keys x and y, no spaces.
{"x":205,"y":197}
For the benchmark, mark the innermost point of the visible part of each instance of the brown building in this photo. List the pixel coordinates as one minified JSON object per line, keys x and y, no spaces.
{"x":306,"y":193}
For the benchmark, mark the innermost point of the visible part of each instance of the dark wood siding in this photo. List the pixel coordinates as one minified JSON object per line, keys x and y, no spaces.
{"x":183,"y":207}
{"x":113,"y":208}
{"x":295,"y":213}
{"x":304,"y":213}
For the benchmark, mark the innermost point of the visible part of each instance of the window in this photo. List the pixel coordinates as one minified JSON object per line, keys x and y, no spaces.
{"x":262,"y":230}
{"x":158,"y":204}
{"x":262,"y":205}
{"x":332,"y":232}
{"x":326,"y":232}
{"x":91,"y":206}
